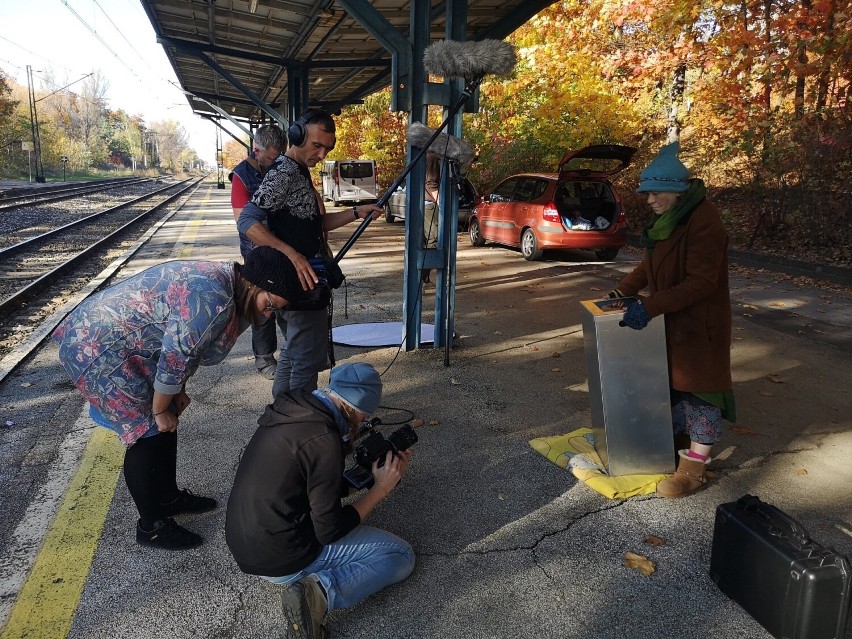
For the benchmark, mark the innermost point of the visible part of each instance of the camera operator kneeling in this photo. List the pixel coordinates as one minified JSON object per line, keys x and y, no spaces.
{"x":285,"y":520}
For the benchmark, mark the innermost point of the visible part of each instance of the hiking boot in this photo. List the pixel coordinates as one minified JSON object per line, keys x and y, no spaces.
{"x":186,"y":502}
{"x":688,"y":479}
{"x":304,"y":604}
{"x":168,"y":535}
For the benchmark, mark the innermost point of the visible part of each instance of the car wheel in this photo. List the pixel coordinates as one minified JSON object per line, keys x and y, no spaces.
{"x":606,"y":255}
{"x":475,"y":233}
{"x":389,"y":218}
{"x":529,"y":246}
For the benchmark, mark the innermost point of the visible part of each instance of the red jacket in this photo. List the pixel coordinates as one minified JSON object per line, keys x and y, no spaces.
{"x":687,"y":280}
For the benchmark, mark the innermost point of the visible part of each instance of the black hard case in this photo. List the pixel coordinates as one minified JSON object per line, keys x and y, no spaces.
{"x":766,"y":562}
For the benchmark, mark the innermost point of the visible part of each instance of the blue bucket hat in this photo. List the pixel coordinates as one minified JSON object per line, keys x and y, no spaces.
{"x":359,"y":385}
{"x":665,"y":173}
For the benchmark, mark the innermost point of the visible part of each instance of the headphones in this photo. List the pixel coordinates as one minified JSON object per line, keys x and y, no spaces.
{"x":297,"y":133}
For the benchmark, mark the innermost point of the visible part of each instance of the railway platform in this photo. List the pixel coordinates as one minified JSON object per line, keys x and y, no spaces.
{"x":507,"y":544}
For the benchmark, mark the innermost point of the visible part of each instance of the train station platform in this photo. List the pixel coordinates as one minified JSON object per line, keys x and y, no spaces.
{"x":508,"y":544}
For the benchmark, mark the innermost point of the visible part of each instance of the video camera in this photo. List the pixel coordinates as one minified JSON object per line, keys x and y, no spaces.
{"x":373,"y":448}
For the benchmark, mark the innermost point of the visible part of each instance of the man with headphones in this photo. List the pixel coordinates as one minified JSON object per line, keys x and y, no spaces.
{"x":288,"y":214}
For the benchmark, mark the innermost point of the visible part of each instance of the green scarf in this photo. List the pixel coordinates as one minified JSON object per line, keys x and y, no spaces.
{"x":664,"y":224}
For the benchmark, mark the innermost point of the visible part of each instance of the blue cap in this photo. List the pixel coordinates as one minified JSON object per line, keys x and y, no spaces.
{"x":665,"y":173}
{"x":359,"y":385}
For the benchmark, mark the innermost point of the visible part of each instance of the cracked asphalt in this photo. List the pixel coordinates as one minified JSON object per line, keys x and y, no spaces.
{"x":507,"y":544}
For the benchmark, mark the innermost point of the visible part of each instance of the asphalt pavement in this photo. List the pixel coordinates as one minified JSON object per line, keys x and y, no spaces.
{"x":507,"y":543}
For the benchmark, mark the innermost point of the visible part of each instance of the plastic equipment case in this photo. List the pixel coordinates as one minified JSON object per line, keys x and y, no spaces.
{"x":766,"y":562}
{"x":628,"y":390}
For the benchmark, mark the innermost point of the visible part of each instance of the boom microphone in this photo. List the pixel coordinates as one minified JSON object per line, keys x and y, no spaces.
{"x":446,"y":147}
{"x":454,"y":59}
{"x":450,"y":59}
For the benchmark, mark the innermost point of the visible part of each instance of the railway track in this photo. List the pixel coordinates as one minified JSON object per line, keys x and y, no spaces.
{"x":40,"y":274}
{"x":30,"y":197}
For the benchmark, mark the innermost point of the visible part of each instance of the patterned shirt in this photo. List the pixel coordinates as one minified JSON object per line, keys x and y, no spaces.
{"x":286,"y":202}
{"x":148,"y":333}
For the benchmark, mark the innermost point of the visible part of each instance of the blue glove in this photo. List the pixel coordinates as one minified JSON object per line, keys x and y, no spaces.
{"x":636,"y":317}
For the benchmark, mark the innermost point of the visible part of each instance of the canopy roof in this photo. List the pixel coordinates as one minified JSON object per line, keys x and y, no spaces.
{"x":224,"y":50}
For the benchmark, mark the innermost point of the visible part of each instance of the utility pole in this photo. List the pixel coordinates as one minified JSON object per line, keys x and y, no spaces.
{"x":39,"y":167}
{"x":220,"y":164}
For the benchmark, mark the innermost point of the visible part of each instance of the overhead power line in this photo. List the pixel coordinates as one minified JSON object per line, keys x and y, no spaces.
{"x":99,"y":38}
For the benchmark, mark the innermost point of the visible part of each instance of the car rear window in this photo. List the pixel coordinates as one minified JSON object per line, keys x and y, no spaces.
{"x":529,"y":189}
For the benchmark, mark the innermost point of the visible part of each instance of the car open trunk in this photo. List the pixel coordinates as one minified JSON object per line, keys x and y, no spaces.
{"x":586,"y":206}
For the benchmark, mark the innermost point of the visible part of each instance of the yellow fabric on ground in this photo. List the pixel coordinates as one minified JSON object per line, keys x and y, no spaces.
{"x":561,"y":448}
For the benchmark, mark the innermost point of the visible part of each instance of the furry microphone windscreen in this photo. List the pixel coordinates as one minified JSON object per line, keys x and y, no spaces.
{"x":444,"y":146}
{"x":473,"y":59}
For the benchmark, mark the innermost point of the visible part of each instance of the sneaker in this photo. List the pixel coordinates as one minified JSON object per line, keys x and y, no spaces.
{"x":304,"y":604}
{"x":267,"y":371}
{"x":168,"y":535}
{"x":186,"y":502}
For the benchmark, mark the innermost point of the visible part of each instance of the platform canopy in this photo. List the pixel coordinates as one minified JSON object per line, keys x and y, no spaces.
{"x":234,"y":56}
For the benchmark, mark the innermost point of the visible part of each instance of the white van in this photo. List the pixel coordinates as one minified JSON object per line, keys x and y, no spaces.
{"x":349,"y":181}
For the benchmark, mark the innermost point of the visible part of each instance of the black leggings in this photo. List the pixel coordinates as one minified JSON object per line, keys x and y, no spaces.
{"x":150,"y":471}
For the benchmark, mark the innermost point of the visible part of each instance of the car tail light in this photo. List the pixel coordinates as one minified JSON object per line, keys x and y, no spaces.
{"x":549,"y":213}
{"x":620,"y":219}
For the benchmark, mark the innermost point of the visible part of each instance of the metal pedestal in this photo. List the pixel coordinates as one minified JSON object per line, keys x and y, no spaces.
{"x":628,"y":391}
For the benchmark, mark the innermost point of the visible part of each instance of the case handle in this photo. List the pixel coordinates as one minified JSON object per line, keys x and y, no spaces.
{"x":753,"y":504}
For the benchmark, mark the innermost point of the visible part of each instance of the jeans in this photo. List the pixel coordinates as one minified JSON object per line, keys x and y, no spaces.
{"x":264,"y":339}
{"x":357,"y":565}
{"x":304,"y":352}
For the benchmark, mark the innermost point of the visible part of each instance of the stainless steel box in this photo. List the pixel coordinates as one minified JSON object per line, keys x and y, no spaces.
{"x":628,"y":391}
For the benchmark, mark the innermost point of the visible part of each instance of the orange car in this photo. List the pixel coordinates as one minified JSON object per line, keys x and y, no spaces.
{"x":576,"y":208}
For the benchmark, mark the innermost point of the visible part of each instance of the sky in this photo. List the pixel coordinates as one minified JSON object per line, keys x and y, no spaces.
{"x":51,"y":34}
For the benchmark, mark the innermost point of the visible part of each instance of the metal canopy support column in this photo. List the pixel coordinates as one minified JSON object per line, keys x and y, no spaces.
{"x":416,"y":255}
{"x":448,"y":220}
{"x":297,"y":91}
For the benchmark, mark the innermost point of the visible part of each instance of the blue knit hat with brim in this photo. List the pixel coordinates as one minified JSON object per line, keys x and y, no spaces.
{"x":665,"y":173}
{"x":359,"y":385}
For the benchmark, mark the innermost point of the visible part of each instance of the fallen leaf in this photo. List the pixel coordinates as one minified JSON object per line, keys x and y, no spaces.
{"x":778,"y":305}
{"x":775,"y":378}
{"x":595,"y":288}
{"x":739,"y":339}
{"x":751,"y":306}
{"x":654,"y":540}
{"x":498,"y":332}
{"x":26,"y":385}
{"x":501,"y":496}
{"x":534,"y":348}
{"x":557,"y":354}
{"x":741,"y":430}
{"x":801,"y":472}
{"x":640,"y":563}
{"x":434,"y":422}
{"x":556,"y":370}
{"x":454,"y":382}
{"x":417,"y":423}
{"x":766,"y":393}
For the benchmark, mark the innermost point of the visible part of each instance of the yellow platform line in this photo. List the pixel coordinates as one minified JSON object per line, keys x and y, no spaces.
{"x":46,"y":605}
{"x":188,"y":237}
